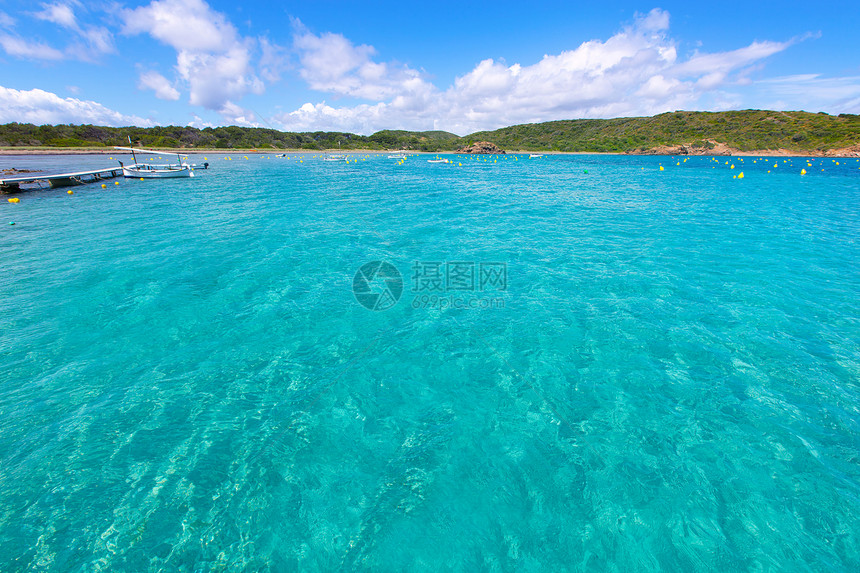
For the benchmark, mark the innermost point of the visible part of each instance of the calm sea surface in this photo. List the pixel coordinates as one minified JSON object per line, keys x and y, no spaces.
{"x":576,"y":363}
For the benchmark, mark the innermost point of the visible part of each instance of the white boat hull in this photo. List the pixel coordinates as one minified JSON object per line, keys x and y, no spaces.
{"x":157,"y":171}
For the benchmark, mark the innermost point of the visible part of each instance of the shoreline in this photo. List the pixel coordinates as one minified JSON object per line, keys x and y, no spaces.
{"x":725,"y":152}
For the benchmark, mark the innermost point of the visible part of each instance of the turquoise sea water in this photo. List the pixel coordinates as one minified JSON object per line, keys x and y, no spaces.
{"x":667,"y":378}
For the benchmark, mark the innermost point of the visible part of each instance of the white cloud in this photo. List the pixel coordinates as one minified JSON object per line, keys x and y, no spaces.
{"x":322,"y":117}
{"x":88,"y":42}
{"x":92,"y":42}
{"x":6,"y":21}
{"x":273,"y":60}
{"x":725,"y":62}
{"x":842,"y":95}
{"x":215,"y":79}
{"x":637,"y":71}
{"x":331,"y":63}
{"x":34,"y":50}
{"x":58,"y":13}
{"x":42,"y":107}
{"x":186,"y":25}
{"x":212,"y":60}
{"x":235,"y":115}
{"x":151,"y":80}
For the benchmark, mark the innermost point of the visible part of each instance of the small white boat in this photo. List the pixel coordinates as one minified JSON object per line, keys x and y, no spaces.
{"x":397,"y":155}
{"x":155,"y":170}
{"x":338,"y":157}
{"x":535,"y":155}
{"x":438,"y":161}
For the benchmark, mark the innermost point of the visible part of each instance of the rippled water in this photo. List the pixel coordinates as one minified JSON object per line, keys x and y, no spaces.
{"x":668,"y":378}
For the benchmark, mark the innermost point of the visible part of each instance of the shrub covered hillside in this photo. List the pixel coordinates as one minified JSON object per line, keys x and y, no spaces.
{"x":743,"y":130}
{"x":746,"y":130}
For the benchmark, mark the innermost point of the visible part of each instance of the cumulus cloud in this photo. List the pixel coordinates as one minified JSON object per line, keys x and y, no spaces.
{"x":637,"y":71}
{"x":151,"y":80}
{"x":213,"y":61}
{"x":362,"y":118}
{"x":631,"y":73}
{"x":331,"y":63}
{"x":235,"y":115}
{"x":187,"y":25}
{"x":640,"y":70}
{"x":41,"y":107}
{"x":214,"y":79}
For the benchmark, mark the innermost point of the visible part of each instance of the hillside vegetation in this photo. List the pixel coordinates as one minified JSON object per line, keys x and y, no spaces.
{"x":233,"y":137}
{"x":743,"y":130}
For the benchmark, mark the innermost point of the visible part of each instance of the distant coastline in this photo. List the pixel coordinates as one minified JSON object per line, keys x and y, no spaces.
{"x":746,"y":132}
{"x":22,"y":151}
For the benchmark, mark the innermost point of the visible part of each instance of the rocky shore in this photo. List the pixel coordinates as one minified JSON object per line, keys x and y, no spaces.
{"x":716,"y":148}
{"x":482,"y":148}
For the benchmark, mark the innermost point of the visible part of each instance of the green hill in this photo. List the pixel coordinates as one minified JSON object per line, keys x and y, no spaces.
{"x":232,"y":137}
{"x":746,"y":130}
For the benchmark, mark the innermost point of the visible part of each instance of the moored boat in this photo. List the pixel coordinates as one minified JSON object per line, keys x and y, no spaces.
{"x":155,"y":170}
{"x":336,"y":157}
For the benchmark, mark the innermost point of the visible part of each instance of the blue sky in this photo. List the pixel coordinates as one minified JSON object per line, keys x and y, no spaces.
{"x":456,"y":66}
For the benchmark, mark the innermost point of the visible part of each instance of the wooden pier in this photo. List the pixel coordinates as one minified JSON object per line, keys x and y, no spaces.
{"x":60,"y":180}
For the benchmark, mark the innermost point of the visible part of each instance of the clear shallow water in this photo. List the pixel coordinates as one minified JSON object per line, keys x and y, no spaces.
{"x":669,"y":382}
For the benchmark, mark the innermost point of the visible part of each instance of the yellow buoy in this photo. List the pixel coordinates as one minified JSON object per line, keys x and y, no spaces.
{"x":661,"y":168}
{"x":741,"y":175}
{"x":104,"y":186}
{"x":141,"y":178}
{"x":14,"y":200}
{"x":733,"y":166}
{"x":70,"y":192}
{"x":116,"y":182}
{"x":803,"y":171}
